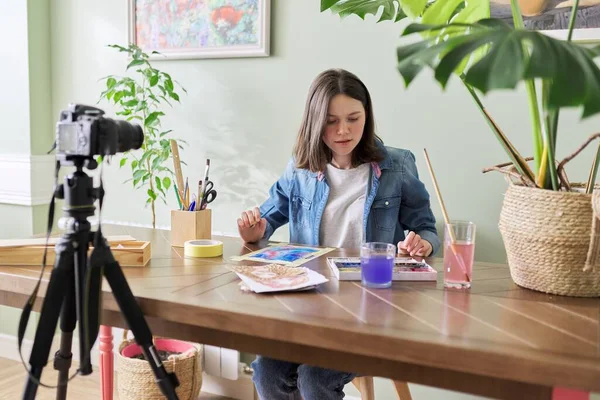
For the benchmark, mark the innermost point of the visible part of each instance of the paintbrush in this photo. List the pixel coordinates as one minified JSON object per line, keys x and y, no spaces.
{"x":446,"y":219}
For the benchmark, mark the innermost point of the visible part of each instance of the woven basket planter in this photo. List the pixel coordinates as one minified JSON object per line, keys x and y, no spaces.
{"x":136,"y":381}
{"x":552,"y":240}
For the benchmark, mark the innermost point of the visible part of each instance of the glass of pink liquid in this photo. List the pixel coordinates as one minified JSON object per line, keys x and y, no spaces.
{"x":458,"y":255}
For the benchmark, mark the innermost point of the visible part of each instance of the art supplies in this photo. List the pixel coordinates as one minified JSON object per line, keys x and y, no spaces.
{"x":177,"y":167}
{"x":405,"y":269}
{"x":209,"y":195}
{"x":277,"y":278}
{"x":455,"y":251}
{"x":204,"y":182}
{"x":186,"y":200}
{"x":289,"y":255}
{"x":203,"y":248}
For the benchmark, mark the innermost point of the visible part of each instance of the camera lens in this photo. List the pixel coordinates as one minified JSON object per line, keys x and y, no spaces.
{"x":131,"y":136}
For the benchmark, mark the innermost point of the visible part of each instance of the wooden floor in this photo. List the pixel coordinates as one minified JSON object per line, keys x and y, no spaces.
{"x":12,"y":380}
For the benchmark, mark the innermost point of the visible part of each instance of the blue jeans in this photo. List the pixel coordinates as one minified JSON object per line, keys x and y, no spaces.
{"x":282,"y":380}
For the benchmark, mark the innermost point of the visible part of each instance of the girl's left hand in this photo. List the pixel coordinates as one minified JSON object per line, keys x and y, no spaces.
{"x":413,"y":245}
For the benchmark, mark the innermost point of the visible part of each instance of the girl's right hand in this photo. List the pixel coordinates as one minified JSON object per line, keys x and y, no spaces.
{"x":251,"y":226}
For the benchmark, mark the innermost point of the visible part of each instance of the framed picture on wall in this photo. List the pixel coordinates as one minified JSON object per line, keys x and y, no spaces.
{"x":552,"y":17}
{"x":187,"y":29}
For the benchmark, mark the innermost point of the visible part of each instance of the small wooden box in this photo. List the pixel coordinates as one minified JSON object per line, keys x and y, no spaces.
{"x":132,"y":253}
{"x":190,"y":225}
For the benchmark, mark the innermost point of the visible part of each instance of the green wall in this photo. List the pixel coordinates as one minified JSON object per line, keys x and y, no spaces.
{"x":244,"y":113}
{"x":240,"y":110}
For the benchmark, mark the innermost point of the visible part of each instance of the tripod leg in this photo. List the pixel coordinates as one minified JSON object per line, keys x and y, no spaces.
{"x":82,"y":238}
{"x":63,"y":357}
{"x":60,"y":277}
{"x":136,"y":322}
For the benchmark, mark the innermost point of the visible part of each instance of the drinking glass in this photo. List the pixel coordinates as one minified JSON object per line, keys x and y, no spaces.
{"x":458,"y":255}
{"x":377,"y":264}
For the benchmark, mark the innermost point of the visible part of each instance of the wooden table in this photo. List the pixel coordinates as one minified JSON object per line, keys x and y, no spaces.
{"x":495,"y":340}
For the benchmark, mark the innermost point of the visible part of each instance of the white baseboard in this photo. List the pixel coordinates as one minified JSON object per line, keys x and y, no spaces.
{"x":9,"y":349}
{"x":27,"y":180}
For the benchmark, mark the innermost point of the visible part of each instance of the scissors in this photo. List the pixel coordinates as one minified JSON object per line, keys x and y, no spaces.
{"x":209,"y":195}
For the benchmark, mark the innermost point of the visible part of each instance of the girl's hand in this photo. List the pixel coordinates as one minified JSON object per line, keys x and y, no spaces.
{"x":413,"y":245}
{"x":251,"y":226}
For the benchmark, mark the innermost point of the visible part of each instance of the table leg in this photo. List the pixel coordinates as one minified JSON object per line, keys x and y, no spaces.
{"x":106,"y":362}
{"x":569,"y":394}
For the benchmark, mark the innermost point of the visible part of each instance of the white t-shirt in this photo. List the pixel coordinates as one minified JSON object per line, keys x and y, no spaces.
{"x":342,"y":220}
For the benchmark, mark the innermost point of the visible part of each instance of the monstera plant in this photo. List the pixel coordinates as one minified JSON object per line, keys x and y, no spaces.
{"x":458,"y":38}
{"x":550,"y":227}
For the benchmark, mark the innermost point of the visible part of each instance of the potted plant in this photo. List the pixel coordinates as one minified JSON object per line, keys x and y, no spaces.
{"x":549,"y":225}
{"x":142,"y":98}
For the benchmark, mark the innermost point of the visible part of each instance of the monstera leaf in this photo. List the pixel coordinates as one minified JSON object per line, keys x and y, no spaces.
{"x":434,"y":12}
{"x":568,"y":69}
{"x":429,"y":11}
{"x":362,"y":8}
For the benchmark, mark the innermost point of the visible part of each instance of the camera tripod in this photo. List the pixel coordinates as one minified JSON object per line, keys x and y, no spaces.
{"x":74,"y":292}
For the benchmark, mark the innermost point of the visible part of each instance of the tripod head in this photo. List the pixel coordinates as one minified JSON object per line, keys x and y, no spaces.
{"x":79,"y":194}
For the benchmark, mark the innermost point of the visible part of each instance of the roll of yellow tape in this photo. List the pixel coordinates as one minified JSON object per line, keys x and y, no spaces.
{"x":203,"y":248}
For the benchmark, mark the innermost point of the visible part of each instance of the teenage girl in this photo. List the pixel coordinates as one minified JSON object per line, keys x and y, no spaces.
{"x":341,"y":188}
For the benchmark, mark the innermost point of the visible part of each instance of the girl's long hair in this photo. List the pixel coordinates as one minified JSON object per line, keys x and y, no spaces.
{"x":310,"y":152}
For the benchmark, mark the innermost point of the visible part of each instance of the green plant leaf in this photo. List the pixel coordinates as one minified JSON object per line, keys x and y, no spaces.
{"x":151,"y":119}
{"x":118,"y":96}
{"x":166,"y":182}
{"x":121,"y":48}
{"x":123,"y":162}
{"x":111,"y":82}
{"x":154,"y":80}
{"x":174,"y":96}
{"x":155,"y":163}
{"x":169,"y":85}
{"x":151,"y":194}
{"x":575,"y":78}
{"x":166,"y":132}
{"x":500,"y":69}
{"x":131,"y":103}
{"x":139,"y":174}
{"x":362,"y":8}
{"x":134,"y":164}
{"x":135,"y":63}
{"x":158,"y":183}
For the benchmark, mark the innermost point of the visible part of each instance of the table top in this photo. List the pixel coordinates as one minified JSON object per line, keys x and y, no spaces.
{"x":495,"y":329}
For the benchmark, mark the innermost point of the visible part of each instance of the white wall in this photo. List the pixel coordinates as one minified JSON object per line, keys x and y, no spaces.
{"x":14,"y":96}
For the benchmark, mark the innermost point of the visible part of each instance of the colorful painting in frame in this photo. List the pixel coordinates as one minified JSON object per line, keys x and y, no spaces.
{"x":184,"y":29}
{"x":552,"y":17}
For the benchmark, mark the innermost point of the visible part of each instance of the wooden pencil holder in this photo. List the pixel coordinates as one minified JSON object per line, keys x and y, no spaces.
{"x":190,"y":225}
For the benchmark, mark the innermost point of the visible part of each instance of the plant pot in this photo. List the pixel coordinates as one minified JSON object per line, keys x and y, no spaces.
{"x":549,"y":241}
{"x":530,"y":8}
{"x":136,"y":381}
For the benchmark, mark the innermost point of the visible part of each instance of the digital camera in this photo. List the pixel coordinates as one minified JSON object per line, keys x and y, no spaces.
{"x":83,"y":132}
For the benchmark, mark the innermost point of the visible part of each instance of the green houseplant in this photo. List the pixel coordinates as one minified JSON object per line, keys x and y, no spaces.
{"x":142,"y":99}
{"x":541,"y":206}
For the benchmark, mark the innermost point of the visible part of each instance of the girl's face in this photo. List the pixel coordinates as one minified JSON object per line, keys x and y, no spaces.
{"x":344,"y":126}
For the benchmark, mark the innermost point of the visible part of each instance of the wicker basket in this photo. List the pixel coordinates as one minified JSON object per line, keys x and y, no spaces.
{"x":136,"y":381}
{"x":552,"y":240}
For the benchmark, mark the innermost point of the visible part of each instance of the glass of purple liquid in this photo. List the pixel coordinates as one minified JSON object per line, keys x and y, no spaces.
{"x":377,"y":264}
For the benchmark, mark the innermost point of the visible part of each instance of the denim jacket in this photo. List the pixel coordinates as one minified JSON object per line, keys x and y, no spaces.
{"x":396,"y":201}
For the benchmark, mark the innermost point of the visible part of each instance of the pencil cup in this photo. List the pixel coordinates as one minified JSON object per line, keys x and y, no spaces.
{"x":190,"y":225}
{"x":458,"y":256}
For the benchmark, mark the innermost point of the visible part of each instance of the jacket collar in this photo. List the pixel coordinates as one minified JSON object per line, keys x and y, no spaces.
{"x":386,"y":163}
